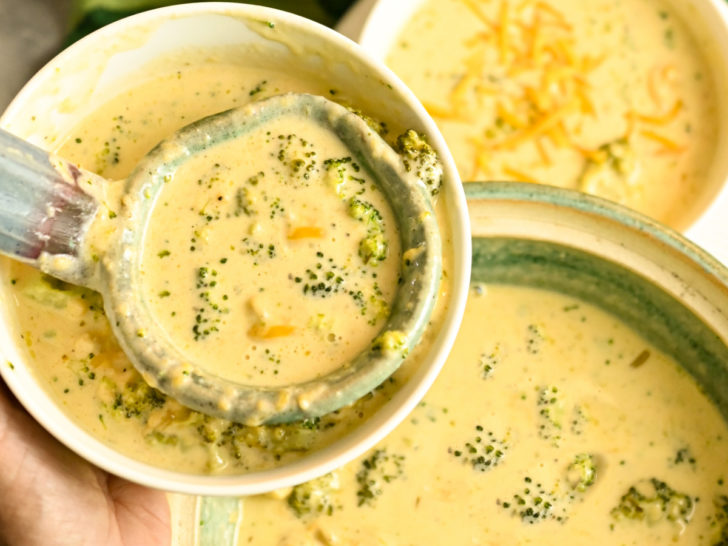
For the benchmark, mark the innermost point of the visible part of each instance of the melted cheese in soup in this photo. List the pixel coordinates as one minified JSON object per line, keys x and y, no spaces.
{"x":551,"y":423}
{"x":254,"y":258}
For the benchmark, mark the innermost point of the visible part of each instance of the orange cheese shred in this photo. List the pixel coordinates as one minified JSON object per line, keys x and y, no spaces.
{"x":663,"y":119}
{"x":262,"y":331}
{"x":667,"y":143}
{"x":306,"y":232}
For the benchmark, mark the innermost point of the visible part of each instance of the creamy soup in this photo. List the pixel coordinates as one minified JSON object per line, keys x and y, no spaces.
{"x":551,"y":423}
{"x":273,"y":258}
{"x":611,"y":97}
{"x":283,"y":239}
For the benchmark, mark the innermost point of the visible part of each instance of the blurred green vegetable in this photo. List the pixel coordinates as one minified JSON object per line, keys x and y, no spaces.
{"x":89,"y":15}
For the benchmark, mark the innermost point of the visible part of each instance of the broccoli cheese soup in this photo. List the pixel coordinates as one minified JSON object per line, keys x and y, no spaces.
{"x":276,"y":265}
{"x":272,"y":258}
{"x":611,"y":97}
{"x":551,"y":423}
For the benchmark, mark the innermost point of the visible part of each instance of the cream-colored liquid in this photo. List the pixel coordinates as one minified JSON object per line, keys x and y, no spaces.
{"x":71,"y":347}
{"x":519,"y":352}
{"x":252,"y":257}
{"x":611,"y":97}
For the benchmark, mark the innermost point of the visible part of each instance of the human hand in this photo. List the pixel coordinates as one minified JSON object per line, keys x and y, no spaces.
{"x":50,"y":496}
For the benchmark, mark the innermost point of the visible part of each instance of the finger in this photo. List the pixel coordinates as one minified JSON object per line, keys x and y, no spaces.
{"x":7,"y":397}
{"x":142,"y":514}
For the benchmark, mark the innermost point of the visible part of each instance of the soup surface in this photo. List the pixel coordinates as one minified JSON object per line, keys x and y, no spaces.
{"x":551,"y":423}
{"x":67,"y":335}
{"x":611,"y":97}
{"x":272,"y":258}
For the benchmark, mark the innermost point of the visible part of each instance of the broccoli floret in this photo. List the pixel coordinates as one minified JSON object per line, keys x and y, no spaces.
{"x":378,"y":469}
{"x":314,"y":497}
{"x":420,"y":158}
{"x":391,"y":341}
{"x":373,"y":248}
{"x":582,"y":472}
{"x":336,"y":168}
{"x":613,"y":166}
{"x":484,"y":451}
{"x":535,"y":503}
{"x":551,"y":414}
{"x":653,"y":501}
{"x":365,"y":212}
{"x":138,"y":399}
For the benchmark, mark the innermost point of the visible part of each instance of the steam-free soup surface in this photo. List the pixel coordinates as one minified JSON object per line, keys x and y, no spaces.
{"x":286,"y":242}
{"x":551,"y":423}
{"x":610,"y":97}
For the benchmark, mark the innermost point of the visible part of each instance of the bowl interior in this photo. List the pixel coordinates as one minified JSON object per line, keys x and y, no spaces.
{"x":659,"y":284}
{"x":138,"y":48}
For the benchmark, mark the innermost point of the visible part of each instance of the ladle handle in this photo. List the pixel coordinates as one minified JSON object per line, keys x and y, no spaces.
{"x":43,"y":210}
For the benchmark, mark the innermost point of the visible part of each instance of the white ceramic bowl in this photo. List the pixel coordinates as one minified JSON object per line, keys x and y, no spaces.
{"x":375,"y":24}
{"x":111,"y":60}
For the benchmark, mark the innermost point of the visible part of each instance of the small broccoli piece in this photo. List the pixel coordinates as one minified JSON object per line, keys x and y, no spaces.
{"x":378,"y":469}
{"x":379,"y":126}
{"x":373,"y":248}
{"x":582,"y":472}
{"x":489,"y":361}
{"x":337,"y":168}
{"x":419,"y":157}
{"x":484,"y":451}
{"x":653,"y":501}
{"x":535,"y":338}
{"x":719,"y":521}
{"x":579,"y":420}
{"x":314,"y":497}
{"x":535,"y":503}
{"x":391,"y":341}
{"x":276,"y":439}
{"x":551,"y":413}
{"x":365,"y":212}
{"x":244,"y":202}
{"x":138,"y":399}
{"x":56,"y":293}
{"x":684,"y":456}
{"x":614,"y":166}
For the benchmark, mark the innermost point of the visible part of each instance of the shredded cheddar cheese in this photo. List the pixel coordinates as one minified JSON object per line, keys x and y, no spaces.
{"x":611,"y":98}
{"x":535,"y":46}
